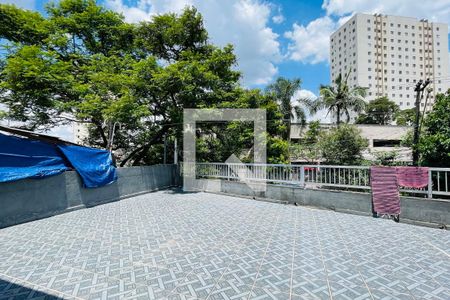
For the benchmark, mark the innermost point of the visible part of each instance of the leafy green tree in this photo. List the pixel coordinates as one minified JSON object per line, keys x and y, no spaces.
{"x":434,"y":145}
{"x":168,"y":36}
{"x":386,"y":158}
{"x":283,"y":91}
{"x":379,"y":111}
{"x":405,"y":117}
{"x":342,"y":145}
{"x":340,"y":99}
{"x":216,"y":142}
{"x":84,"y":63}
{"x":307,"y":149}
{"x":22,"y":26}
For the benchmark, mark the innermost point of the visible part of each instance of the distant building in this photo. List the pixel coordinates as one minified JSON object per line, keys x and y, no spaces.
{"x":382,"y":138}
{"x":389,"y":54}
{"x":80,"y":133}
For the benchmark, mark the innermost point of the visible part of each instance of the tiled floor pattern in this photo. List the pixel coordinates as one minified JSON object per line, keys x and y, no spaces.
{"x":168,"y":245}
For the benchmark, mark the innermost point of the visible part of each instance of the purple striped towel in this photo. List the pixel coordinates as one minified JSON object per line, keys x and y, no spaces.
{"x":385,"y":196}
{"x":412,"y":177}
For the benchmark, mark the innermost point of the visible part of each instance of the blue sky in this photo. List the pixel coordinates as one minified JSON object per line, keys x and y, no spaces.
{"x":274,"y":37}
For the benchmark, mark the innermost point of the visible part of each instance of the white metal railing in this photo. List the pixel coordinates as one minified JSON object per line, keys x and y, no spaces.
{"x":316,"y":176}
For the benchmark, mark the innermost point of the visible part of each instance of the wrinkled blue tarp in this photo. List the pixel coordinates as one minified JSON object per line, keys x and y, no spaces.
{"x":25,"y":158}
{"x":94,"y":166}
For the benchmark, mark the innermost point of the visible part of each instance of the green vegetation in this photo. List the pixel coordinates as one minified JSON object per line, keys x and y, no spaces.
{"x":84,"y":63}
{"x":387,"y":158}
{"x":339,"y":99}
{"x":283,"y":92}
{"x":342,"y":145}
{"x":434,"y":144}
{"x":308,"y":149}
{"x":405,"y":117}
{"x":380,"y":111}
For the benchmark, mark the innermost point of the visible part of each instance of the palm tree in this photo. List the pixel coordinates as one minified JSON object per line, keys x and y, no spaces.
{"x":283,"y":91}
{"x":340,"y":99}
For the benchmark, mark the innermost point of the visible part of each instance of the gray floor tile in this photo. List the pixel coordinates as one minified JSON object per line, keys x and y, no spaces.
{"x":167,"y":245}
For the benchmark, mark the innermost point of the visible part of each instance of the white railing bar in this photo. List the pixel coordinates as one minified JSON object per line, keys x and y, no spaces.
{"x":319,"y":175}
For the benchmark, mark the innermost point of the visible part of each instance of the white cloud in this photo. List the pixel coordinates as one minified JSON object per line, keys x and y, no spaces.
{"x":243,"y":23}
{"x":303,"y":94}
{"x":433,"y":10}
{"x":307,"y":94}
{"x":27,"y":4}
{"x":278,"y":19}
{"x":310,"y":44}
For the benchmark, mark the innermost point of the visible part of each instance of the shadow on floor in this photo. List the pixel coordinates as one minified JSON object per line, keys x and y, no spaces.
{"x":11,"y":290}
{"x":179,"y":190}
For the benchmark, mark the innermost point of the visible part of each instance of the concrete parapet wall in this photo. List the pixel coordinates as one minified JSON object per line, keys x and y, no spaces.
{"x":31,"y":199}
{"x":423,"y":211}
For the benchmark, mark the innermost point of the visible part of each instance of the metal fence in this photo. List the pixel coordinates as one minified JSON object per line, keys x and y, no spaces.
{"x":317,"y":176}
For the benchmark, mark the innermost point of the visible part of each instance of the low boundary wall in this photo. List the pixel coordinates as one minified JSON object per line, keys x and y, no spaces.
{"x":31,"y":199}
{"x":421,"y":211}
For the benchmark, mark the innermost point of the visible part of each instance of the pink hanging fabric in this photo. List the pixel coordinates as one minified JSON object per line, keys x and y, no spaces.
{"x":385,"y":196}
{"x":412,"y":177}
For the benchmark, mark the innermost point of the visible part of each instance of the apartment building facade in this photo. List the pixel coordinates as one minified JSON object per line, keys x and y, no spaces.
{"x":389,"y":54}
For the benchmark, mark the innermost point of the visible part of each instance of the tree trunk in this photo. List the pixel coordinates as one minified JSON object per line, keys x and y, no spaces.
{"x":140,"y":151}
{"x":102,"y":134}
{"x":338,"y":117}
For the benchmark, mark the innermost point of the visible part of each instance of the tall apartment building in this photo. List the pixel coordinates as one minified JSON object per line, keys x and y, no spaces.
{"x":389,"y":54}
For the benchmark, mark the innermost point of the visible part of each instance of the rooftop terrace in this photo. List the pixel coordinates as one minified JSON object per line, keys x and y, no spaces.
{"x":170,"y":245}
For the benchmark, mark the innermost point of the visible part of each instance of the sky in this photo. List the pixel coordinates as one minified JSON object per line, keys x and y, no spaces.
{"x":272,"y":38}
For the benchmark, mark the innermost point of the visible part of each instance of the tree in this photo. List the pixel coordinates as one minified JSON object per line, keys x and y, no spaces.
{"x":339,"y":99}
{"x":386,"y":158}
{"x":380,"y":111}
{"x":307,"y":149}
{"x":283,"y":91}
{"x":342,"y":145}
{"x":84,"y":63}
{"x":217,"y":141}
{"x":405,"y":117}
{"x":434,"y":144}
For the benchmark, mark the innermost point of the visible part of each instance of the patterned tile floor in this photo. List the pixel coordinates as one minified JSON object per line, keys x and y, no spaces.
{"x":169,"y":245}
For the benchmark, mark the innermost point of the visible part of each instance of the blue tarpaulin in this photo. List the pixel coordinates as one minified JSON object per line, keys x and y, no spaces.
{"x":27,"y":158}
{"x":94,"y":166}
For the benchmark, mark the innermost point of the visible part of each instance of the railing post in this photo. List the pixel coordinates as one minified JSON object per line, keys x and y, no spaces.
{"x":302,"y":176}
{"x":430,"y":184}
